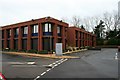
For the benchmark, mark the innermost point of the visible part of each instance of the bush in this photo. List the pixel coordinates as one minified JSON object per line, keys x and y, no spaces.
{"x":23,"y":50}
{"x":32,"y":51}
{"x":13,"y":50}
{"x":113,"y":41}
{"x":6,"y":49}
{"x":86,"y":47}
{"x":43,"y":52}
{"x":82,"y":47}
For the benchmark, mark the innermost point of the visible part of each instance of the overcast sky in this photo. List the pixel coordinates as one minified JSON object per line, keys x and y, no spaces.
{"x":13,"y":11}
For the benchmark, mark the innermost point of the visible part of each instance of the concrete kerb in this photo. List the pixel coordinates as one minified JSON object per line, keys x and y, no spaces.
{"x":75,"y":51}
{"x":53,"y":56}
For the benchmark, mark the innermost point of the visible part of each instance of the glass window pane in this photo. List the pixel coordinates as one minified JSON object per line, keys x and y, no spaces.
{"x":10,"y":33}
{"x":25,"y":30}
{"x":50,"y":30}
{"x":46,"y":27}
{"x":17,"y":31}
{"x":35,"y":27}
{"x":58,"y":29}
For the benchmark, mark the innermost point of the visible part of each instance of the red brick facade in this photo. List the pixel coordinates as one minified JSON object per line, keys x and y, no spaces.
{"x":43,"y":34}
{"x":77,"y":37}
{"x":53,"y":34}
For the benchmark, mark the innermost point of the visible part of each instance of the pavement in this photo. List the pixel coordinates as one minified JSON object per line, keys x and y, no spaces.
{"x":45,"y":55}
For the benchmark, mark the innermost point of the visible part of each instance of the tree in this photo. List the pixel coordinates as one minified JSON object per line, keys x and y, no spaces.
{"x":108,"y":20}
{"x":99,"y":30}
{"x":76,"y":21}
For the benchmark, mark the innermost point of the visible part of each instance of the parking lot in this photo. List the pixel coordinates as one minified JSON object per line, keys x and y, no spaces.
{"x":90,"y":64}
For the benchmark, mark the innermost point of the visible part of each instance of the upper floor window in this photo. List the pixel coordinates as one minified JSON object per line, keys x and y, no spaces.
{"x":2,"y":33}
{"x":25,"y":30}
{"x":16,"y":31}
{"x":48,"y":27}
{"x":8,"y":33}
{"x":35,"y":28}
{"x":58,"y":29}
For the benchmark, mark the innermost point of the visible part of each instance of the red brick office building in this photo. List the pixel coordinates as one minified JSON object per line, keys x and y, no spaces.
{"x":39,"y":34}
{"x":43,"y":34}
{"x":77,"y":37}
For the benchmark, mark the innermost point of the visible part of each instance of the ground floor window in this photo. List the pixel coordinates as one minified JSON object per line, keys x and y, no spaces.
{"x":24,"y":44}
{"x":34,"y":43}
{"x":8,"y":44}
{"x":16,"y":44}
{"x":48,"y":44}
{"x":82,"y":43}
{"x":76,"y":43}
{"x":2,"y":44}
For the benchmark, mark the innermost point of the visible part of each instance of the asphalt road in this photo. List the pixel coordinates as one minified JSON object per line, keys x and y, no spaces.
{"x":95,"y":64}
{"x":91,"y":64}
{"x":16,"y":66}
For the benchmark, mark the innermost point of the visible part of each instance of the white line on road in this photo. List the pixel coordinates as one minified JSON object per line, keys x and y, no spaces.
{"x":48,"y":70}
{"x":53,"y":65}
{"x":43,"y":73}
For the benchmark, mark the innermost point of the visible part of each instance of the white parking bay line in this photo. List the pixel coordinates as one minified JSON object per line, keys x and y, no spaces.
{"x":48,"y":70}
{"x":43,"y":73}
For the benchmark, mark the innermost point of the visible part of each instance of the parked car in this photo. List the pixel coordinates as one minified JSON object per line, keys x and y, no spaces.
{"x":2,"y":76}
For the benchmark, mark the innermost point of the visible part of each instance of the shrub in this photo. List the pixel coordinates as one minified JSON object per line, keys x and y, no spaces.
{"x":13,"y":50}
{"x":32,"y":51}
{"x":23,"y":50}
{"x":86,"y":47}
{"x":6,"y":49}
{"x":43,"y":52}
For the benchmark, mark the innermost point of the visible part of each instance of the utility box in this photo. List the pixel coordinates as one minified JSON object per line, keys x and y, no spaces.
{"x":59,"y":49}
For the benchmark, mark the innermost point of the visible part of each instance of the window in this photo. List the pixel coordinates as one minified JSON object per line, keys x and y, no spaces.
{"x":25,"y":30}
{"x":35,"y":28}
{"x":17,"y":31}
{"x":58,"y":29}
{"x":2,"y":33}
{"x":48,"y":27}
{"x":10,"y":32}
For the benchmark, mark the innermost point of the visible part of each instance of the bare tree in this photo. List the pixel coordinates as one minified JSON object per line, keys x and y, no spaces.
{"x":108,"y":20}
{"x":116,"y":21}
{"x":76,"y":21}
{"x":90,"y":22}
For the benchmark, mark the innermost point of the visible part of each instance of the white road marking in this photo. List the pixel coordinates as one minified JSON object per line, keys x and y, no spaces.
{"x":31,"y":63}
{"x":59,"y":63}
{"x":56,"y":65}
{"x":37,"y":77}
{"x":50,"y":64}
{"x":53,"y":65}
{"x":43,"y":73}
{"x":48,"y":70}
